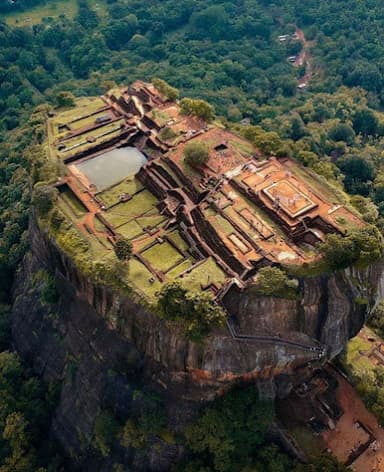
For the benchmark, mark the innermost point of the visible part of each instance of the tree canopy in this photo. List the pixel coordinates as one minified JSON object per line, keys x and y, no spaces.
{"x":196,"y":153}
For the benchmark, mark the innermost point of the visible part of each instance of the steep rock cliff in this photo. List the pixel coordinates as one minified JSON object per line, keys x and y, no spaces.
{"x":102,"y":346}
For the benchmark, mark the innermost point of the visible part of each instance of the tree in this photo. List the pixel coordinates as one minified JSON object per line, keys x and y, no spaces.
{"x":366,"y":207}
{"x":365,"y":122}
{"x":44,"y":198}
{"x":21,"y":458}
{"x":297,"y":128}
{"x":229,"y":431}
{"x":195,"y":310}
{"x":361,"y":246}
{"x":123,"y":249}
{"x":65,"y":99}
{"x":359,"y":173}
{"x":271,"y":281}
{"x":196,"y":153}
{"x":199,"y":108}
{"x":165,"y":89}
{"x":342,"y":132}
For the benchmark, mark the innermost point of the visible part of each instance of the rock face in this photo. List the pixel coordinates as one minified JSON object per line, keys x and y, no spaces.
{"x":102,"y":346}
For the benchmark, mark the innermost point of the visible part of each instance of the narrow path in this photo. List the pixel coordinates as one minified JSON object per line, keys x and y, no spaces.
{"x":319,"y":350}
{"x":304,"y":59}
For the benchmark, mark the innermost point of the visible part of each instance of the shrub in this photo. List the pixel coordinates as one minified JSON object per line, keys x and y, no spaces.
{"x":196,"y":153}
{"x":123,"y":249}
{"x":133,"y":436}
{"x":105,"y":431}
{"x":274,"y":282}
{"x":65,"y":99}
{"x":165,"y":89}
{"x":230,"y":430}
{"x":43,"y":199}
{"x":199,"y":108}
{"x":196,"y":310}
{"x":362,"y":246}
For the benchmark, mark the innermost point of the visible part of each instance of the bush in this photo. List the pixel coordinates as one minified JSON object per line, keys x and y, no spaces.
{"x":105,"y":432}
{"x":366,"y":207}
{"x":230,"y":430}
{"x":274,"y":282}
{"x":199,"y":108}
{"x":196,"y":153}
{"x":165,"y":89}
{"x":65,"y":99}
{"x":43,"y":199}
{"x":362,"y":246}
{"x":376,"y":319}
{"x":123,"y":249}
{"x":196,"y":310}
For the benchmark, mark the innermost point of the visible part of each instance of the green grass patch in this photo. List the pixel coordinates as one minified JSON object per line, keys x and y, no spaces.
{"x":130,"y":230}
{"x":161,"y":117}
{"x":82,"y":108}
{"x":244,"y":147}
{"x":204,"y":274}
{"x":141,"y":203}
{"x":99,"y":226}
{"x":355,"y":358}
{"x":98,"y":134}
{"x":70,"y":199}
{"x":99,"y":251}
{"x":151,"y":221}
{"x":172,"y":274}
{"x":311,"y":445}
{"x":52,"y":9}
{"x":223,"y":225}
{"x":111,"y":196}
{"x":162,"y":256}
{"x":139,"y":276}
{"x":178,"y":240}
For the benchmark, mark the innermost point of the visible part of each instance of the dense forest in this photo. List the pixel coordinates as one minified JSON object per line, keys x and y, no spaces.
{"x":228,"y":53}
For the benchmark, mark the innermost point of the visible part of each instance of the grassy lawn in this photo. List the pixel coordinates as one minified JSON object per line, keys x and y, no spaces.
{"x":161,"y":117}
{"x":204,"y":274}
{"x":311,"y":445}
{"x":139,"y":276}
{"x":244,"y":147}
{"x":141,"y":203}
{"x":96,"y":133}
{"x":89,"y":120}
{"x":111,"y":195}
{"x":70,"y":199}
{"x":99,"y":226}
{"x":162,"y":256}
{"x":150,"y":220}
{"x":83,"y":107}
{"x":99,"y":251}
{"x":221,"y":224}
{"x":180,"y":268}
{"x":355,"y":359}
{"x":178,"y":240}
{"x":130,"y":230}
{"x":52,"y":9}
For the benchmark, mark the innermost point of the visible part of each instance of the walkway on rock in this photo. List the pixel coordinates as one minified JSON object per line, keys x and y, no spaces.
{"x":320,"y":350}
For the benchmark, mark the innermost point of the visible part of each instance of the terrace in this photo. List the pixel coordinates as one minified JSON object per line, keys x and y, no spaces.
{"x":126,"y":176}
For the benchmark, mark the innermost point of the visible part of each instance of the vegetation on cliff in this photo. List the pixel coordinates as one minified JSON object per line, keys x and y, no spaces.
{"x":195,"y":311}
{"x":25,"y":413}
{"x":227,"y":53}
